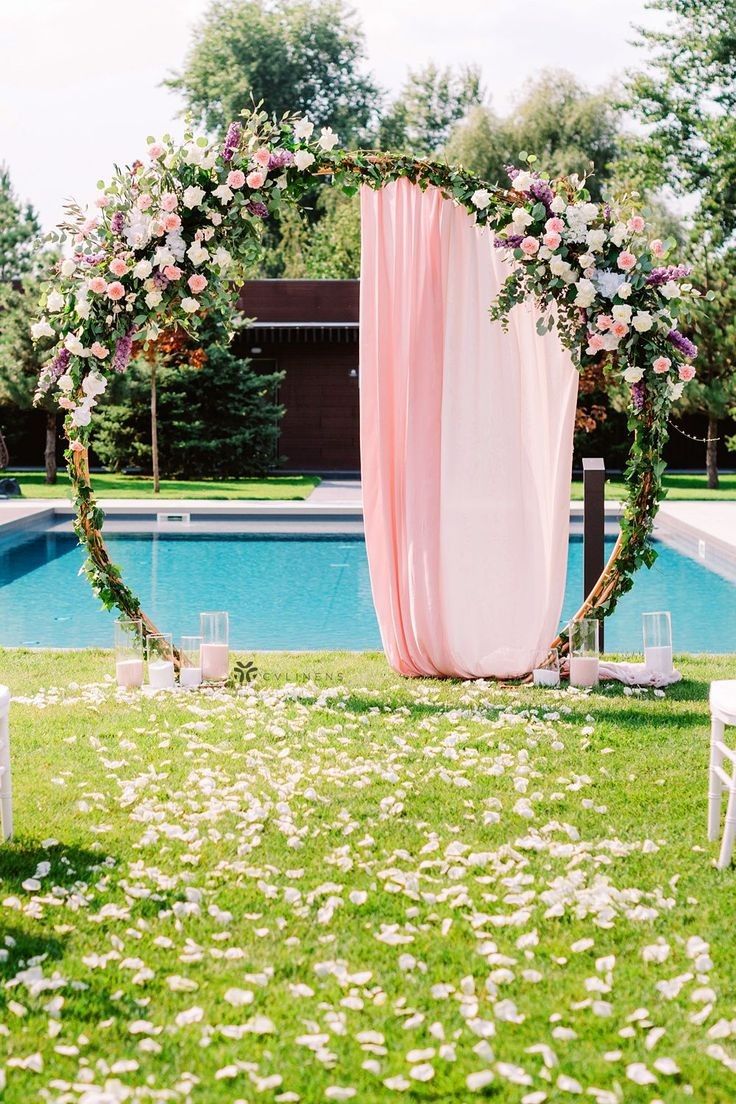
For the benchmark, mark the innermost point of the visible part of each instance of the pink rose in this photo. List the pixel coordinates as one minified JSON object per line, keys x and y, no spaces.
{"x":554,"y":225}
{"x":98,"y":285}
{"x":552,"y":239}
{"x":171,"y":272}
{"x":171,"y":222}
{"x":118,"y":266}
{"x":657,"y":247}
{"x":88,"y":226}
{"x":102,"y":201}
{"x":143,"y":202}
{"x":661,"y":365}
{"x":255,"y":179}
{"x":66,"y":404}
{"x":115,"y":290}
{"x":156,"y":150}
{"x":77,"y":446}
{"x":236,"y":179}
{"x":619,"y":329}
{"x":604,"y":322}
{"x":686,"y":373}
{"x":637,"y":224}
{"x":99,"y":350}
{"x":168,"y":201}
{"x":595,"y":343}
{"x":626,"y":261}
{"x":262,"y":157}
{"x":530,"y":246}
{"x":197,"y":283}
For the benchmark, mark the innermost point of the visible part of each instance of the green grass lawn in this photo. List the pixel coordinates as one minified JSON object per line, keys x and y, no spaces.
{"x":678,"y":487}
{"x":344,"y":885}
{"x":109,"y":485}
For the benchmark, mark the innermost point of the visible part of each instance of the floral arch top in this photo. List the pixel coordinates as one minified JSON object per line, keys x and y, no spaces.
{"x":172,"y":235}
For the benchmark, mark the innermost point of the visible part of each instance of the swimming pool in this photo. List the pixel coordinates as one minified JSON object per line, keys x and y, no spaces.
{"x":296,"y":592}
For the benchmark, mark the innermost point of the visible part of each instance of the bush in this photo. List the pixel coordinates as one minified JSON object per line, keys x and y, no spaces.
{"x":220,"y":420}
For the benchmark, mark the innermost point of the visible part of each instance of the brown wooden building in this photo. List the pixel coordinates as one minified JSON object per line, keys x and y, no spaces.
{"x":309,"y":330}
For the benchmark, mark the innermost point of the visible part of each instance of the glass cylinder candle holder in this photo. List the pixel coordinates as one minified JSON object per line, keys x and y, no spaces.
{"x":584,"y":660}
{"x":657,"y":629}
{"x":549,"y":673}
{"x":190,"y":672}
{"x":129,"y":652}
{"x":214,"y":629}
{"x":160,"y":651}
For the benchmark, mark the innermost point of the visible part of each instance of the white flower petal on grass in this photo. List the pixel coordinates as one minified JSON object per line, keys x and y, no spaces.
{"x":568,"y":1084}
{"x":337,"y":1092}
{"x":640,"y":1074}
{"x":667,"y":1066}
{"x":423,"y":1072}
{"x":397,"y":1084}
{"x":478,"y":1081}
{"x":238,"y":997}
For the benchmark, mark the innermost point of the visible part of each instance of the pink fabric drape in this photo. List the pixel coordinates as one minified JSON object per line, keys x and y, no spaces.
{"x":466,"y":442}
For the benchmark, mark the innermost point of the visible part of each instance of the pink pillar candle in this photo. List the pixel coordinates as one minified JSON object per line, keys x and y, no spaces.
{"x":584,"y":670}
{"x":129,"y":672}
{"x":190,"y":676}
{"x":215,"y":662}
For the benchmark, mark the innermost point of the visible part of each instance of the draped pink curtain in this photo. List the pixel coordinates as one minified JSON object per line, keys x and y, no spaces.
{"x":466,"y":441}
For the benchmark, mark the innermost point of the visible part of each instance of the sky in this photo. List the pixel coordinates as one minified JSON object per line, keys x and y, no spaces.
{"x":80,"y":80}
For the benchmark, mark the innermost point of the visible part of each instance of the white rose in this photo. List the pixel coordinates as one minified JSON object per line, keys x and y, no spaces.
{"x":65,"y":383}
{"x":194,"y":153}
{"x":675,"y":389}
{"x":303,"y":159}
{"x":94,"y":385}
{"x":561,"y":268}
{"x":558,"y":205}
{"x":596,"y":240}
{"x":522,"y":181}
{"x":589,"y":211}
{"x":82,"y":307}
{"x":74,"y":345}
{"x":81,"y":416}
{"x":197,"y":253}
{"x":143,"y":270}
{"x":633,"y":375}
{"x":68,"y":267}
{"x":521,"y":218}
{"x":193,"y":196}
{"x":642,"y":321}
{"x":619,"y":234}
{"x":670,"y":290}
{"x":55,"y":302}
{"x":189,"y":305}
{"x":303,"y":129}
{"x":586,"y":260}
{"x":624,"y":291}
{"x":209,"y":160}
{"x":328,"y":139}
{"x":222,"y":258}
{"x":585,"y":293}
{"x":480,"y":198}
{"x":42,"y":329}
{"x":610,"y":341}
{"x":223,"y":193}
{"x":621,"y":314}
{"x":153,"y":298}
{"x":163,"y":256}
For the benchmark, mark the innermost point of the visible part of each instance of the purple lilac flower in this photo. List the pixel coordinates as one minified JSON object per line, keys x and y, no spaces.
{"x":160,"y":280}
{"x":511,"y":171}
{"x":672,"y":272}
{"x":683,"y":344}
{"x":638,"y":395}
{"x":513,"y":241}
{"x":123,"y":351}
{"x":260,"y":210}
{"x":541,"y":191}
{"x":92,"y":258}
{"x":117,"y":222}
{"x":59,"y":365}
{"x":232,"y":141}
{"x":280,"y":159}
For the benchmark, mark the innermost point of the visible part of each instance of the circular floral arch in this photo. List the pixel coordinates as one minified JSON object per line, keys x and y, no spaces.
{"x":173,"y":234}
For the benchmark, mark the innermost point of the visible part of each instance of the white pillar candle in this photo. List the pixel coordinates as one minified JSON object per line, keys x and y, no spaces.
{"x":658,"y":661}
{"x":215,"y":661}
{"x":584,"y":670}
{"x":129,"y":672}
{"x":190,"y":676}
{"x":161,"y":674}
{"x":546,"y":676}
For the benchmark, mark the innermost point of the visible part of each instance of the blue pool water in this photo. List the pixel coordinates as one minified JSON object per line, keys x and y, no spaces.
{"x":297,"y":592}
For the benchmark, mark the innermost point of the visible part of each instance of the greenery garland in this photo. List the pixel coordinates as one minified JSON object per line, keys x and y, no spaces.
{"x":171,"y":239}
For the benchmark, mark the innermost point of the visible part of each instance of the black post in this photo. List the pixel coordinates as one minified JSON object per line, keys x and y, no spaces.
{"x":594,"y":525}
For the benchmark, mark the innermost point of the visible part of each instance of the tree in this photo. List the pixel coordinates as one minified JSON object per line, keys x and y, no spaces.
{"x":19,"y":232}
{"x":685,"y":97}
{"x":21,"y":361}
{"x":483,"y":144}
{"x":304,"y":55}
{"x":431,"y":102}
{"x":220,"y":419}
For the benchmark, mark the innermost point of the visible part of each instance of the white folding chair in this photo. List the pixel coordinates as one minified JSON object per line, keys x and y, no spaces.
{"x":723,"y":713}
{"x":6,"y":787}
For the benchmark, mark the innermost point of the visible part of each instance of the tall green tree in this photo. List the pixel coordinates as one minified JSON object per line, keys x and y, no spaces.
{"x":20,"y":232}
{"x":431,"y":102}
{"x":685,"y":98}
{"x":294,"y":55}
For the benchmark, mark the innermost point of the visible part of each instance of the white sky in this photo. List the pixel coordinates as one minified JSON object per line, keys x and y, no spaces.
{"x":79,"y":79}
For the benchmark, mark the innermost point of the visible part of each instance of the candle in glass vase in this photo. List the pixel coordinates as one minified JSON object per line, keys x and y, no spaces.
{"x":657,"y":629}
{"x":160,"y":649}
{"x":215,"y":655}
{"x":584,"y":662}
{"x":190,"y":673}
{"x":549,"y":675}
{"x":129,"y":653}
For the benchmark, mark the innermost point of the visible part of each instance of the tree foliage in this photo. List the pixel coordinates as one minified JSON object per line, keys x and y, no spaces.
{"x":431,"y":102}
{"x":19,"y":232}
{"x":305,"y":54}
